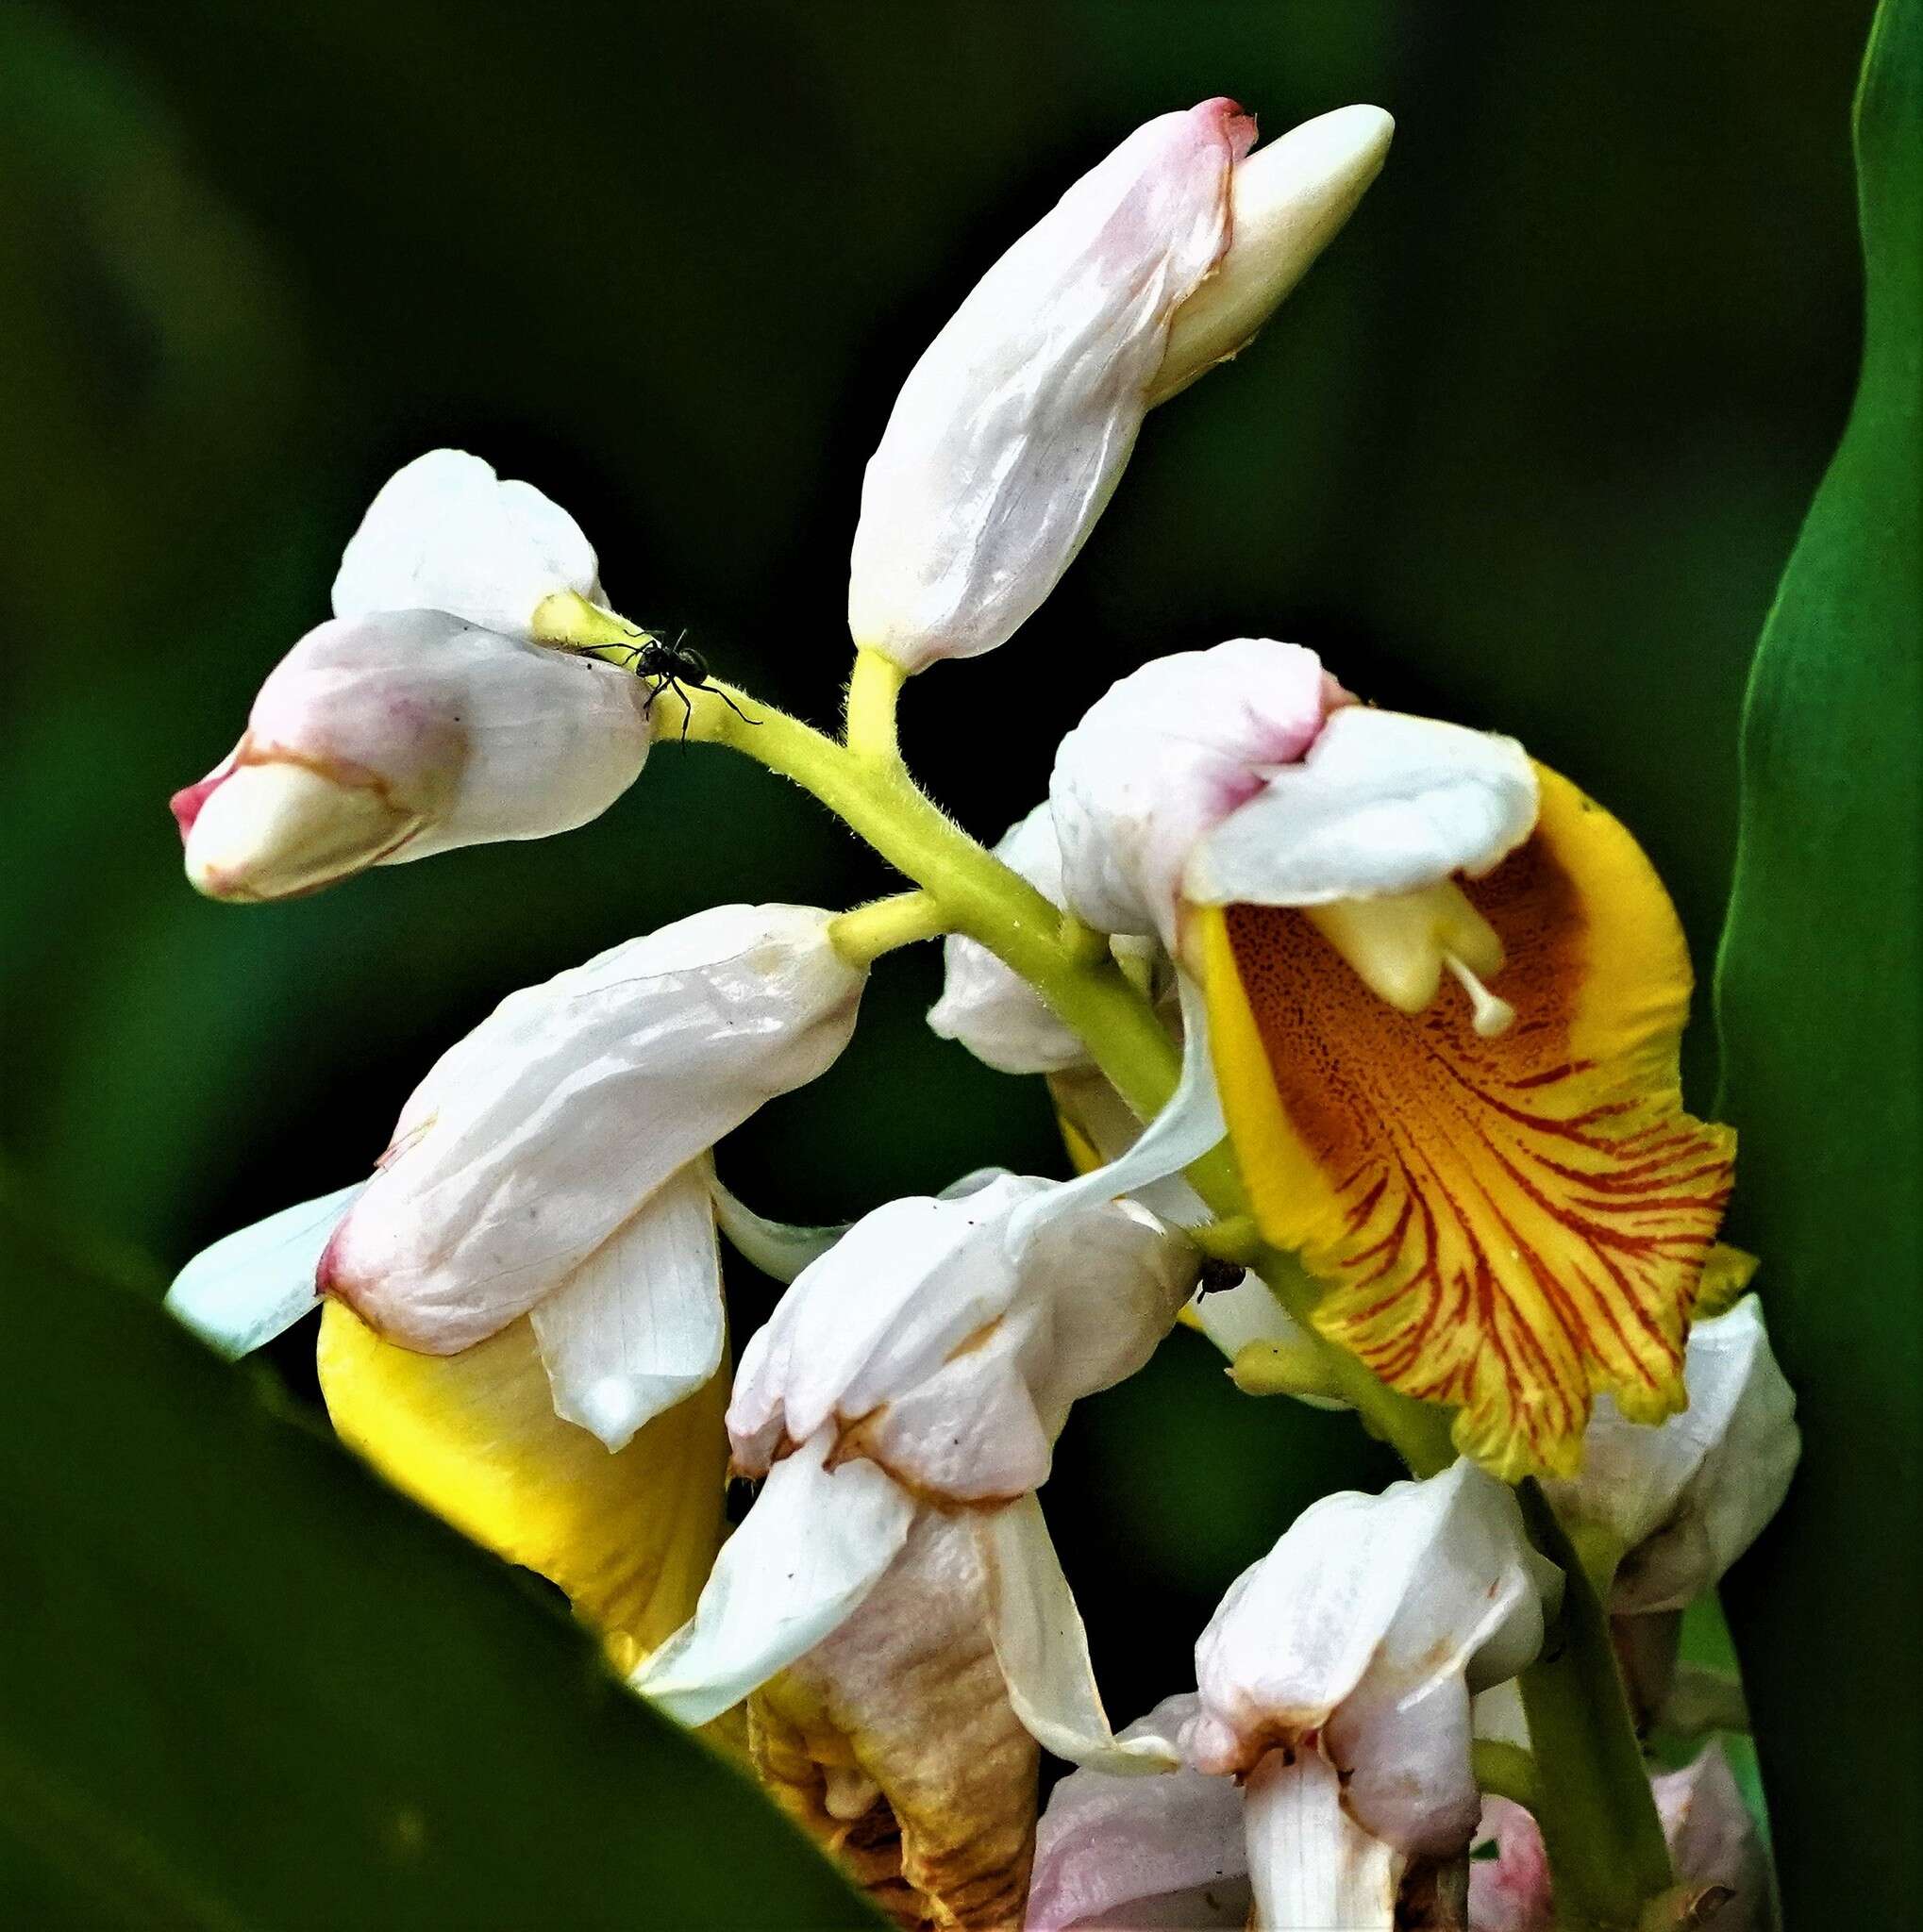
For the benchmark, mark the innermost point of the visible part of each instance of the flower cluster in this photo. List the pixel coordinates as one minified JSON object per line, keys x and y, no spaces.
{"x":1366,"y":1014}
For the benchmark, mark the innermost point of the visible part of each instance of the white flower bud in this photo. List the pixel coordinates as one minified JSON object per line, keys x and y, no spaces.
{"x":1014,"y":428}
{"x":1683,"y":1501}
{"x":446,"y":534}
{"x":536,"y":1140}
{"x":1286,"y":202}
{"x":927,"y":1342}
{"x":988,"y":1006}
{"x":388,"y":738}
{"x":1363,"y":1636}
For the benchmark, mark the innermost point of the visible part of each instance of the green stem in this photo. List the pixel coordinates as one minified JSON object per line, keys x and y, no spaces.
{"x":1608,"y":1858}
{"x":862,"y":936}
{"x":874,"y":691}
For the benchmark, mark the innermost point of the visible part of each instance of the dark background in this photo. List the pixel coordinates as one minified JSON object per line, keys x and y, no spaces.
{"x":1527,"y":450}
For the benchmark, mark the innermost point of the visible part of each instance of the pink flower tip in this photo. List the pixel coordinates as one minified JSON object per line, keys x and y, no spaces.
{"x":185,"y":805}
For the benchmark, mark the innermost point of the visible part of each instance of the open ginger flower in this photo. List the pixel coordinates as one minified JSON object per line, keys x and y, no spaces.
{"x":524,"y":1327}
{"x":1444,"y":996}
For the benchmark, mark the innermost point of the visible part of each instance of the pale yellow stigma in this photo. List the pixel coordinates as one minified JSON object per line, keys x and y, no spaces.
{"x":1490,"y":1016}
{"x":1401,"y":946}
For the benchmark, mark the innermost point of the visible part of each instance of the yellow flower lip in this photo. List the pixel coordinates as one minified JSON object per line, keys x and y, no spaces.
{"x":1507,"y":1217}
{"x":473,"y":1436}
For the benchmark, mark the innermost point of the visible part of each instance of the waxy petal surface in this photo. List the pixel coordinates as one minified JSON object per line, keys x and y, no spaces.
{"x":929,"y":1340}
{"x":1043,"y":1648}
{"x":1685,"y":1500}
{"x":1162,"y":758}
{"x":814,"y":1544}
{"x":1127,"y":1851}
{"x":1012,"y":429}
{"x":257,"y":1283}
{"x":474,"y":1438}
{"x":537,"y":1137}
{"x":446,"y":533}
{"x":1511,"y":1223}
{"x":988,"y":1006}
{"x":640,"y":1324}
{"x":1363,"y":1635}
{"x":1379,"y":803}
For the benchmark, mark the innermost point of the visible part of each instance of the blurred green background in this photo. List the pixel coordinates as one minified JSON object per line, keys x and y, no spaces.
{"x":1528,"y":449}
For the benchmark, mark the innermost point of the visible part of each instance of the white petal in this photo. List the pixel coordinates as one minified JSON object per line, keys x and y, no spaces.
{"x":1183,"y":1131}
{"x":969,"y":1429}
{"x":1115,"y":1277}
{"x":445,"y":534}
{"x":1497,"y":1713}
{"x":1288,"y":199}
{"x":1713,"y":1838}
{"x":253,"y":1284}
{"x":273,"y":830}
{"x":988,"y":1006}
{"x":814,"y":1544}
{"x":1043,"y":1648}
{"x":1370,"y":1625}
{"x":1380,"y":803}
{"x":1313,"y":1866}
{"x":1115,"y":1852}
{"x":1012,"y":429}
{"x":780,"y":1249}
{"x":531,"y":1140}
{"x":947,"y":1353}
{"x":1232,"y":1318}
{"x":638,"y":1327}
{"x":1686,"y":1499}
{"x":1161,"y":758}
{"x":880,"y":1311}
{"x":397,"y":735}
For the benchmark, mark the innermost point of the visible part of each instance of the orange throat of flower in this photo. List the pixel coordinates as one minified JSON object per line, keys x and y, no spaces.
{"x":1508,"y":1220}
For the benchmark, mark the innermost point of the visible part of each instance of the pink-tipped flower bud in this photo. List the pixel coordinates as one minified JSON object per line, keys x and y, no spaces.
{"x":1014,"y":428}
{"x":389,"y":737}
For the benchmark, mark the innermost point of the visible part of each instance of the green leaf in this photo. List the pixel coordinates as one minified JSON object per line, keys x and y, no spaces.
{"x":244,"y":1684}
{"x":1818,"y":998}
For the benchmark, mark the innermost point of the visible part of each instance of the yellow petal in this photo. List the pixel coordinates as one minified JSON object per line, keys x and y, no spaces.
{"x":1511,"y":1223}
{"x":473,"y":1436}
{"x":894,"y":1742}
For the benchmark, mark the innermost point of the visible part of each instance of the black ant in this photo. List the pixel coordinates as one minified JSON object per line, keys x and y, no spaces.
{"x":677,"y":667}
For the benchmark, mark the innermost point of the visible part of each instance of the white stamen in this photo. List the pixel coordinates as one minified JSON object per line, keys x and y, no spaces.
{"x":1491,"y":1016}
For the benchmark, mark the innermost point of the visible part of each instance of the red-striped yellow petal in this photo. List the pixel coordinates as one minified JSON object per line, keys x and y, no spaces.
{"x":1510,"y":1224}
{"x":629,"y":1537}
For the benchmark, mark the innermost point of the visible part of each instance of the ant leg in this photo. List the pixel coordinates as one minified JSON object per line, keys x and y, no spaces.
{"x":732,"y":704}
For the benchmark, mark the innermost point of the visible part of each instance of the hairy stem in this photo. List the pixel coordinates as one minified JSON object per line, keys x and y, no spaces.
{"x":862,"y":936}
{"x":874,"y":691}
